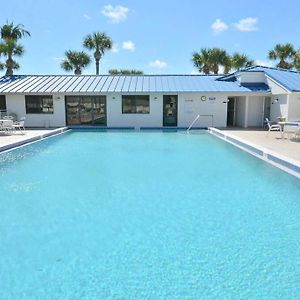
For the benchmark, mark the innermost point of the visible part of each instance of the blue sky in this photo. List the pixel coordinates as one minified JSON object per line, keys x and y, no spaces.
{"x":153,"y":36}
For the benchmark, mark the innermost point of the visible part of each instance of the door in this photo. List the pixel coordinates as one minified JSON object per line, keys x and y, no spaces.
{"x":170,"y":107}
{"x":231,"y":112}
{"x":2,"y":105}
{"x":86,"y":110}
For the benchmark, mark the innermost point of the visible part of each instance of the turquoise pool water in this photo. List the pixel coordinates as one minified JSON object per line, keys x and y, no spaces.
{"x":146,"y":215}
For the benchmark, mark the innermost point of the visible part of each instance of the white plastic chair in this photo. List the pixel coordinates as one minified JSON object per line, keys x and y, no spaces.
{"x":273,"y":127}
{"x":7,"y":125}
{"x":20,"y":125}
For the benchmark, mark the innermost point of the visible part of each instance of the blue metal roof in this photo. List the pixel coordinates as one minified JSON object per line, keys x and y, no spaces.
{"x":287,"y":78}
{"x":121,"y":83}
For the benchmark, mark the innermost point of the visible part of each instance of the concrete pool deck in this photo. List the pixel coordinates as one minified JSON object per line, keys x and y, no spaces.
{"x":287,"y":146}
{"x":8,"y":141}
{"x":280,"y":151}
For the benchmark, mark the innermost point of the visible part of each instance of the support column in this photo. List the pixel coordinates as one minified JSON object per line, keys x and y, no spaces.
{"x":246,"y":112}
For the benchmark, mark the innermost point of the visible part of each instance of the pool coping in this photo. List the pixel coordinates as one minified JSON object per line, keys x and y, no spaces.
{"x":282,"y":162}
{"x":33,"y":139}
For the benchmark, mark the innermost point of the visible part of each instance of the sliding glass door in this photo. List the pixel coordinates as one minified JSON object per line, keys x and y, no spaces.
{"x":86,"y":110}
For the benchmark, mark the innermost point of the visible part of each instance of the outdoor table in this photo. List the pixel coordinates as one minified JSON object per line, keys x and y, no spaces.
{"x":290,"y":123}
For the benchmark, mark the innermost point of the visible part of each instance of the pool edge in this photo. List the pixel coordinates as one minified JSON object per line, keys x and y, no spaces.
{"x":280,"y":161}
{"x":33,"y":139}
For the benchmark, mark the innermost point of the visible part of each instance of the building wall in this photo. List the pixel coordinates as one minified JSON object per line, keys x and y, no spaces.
{"x":255,"y":111}
{"x":240,"y":111}
{"x":279,"y":107}
{"x":16,"y":104}
{"x":115,"y":118}
{"x":212,"y":112}
{"x":294,"y":107}
{"x":251,"y":77}
{"x":275,"y":88}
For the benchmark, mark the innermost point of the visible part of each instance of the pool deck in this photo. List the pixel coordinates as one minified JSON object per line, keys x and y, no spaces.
{"x":280,"y":151}
{"x":8,"y":141}
{"x":289,"y":147}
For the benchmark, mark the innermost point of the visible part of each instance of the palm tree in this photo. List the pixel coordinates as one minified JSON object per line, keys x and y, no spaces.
{"x":297,"y":60}
{"x":240,"y":61}
{"x":99,"y":42}
{"x":283,"y":52}
{"x":227,"y":64}
{"x":125,"y":72}
{"x":75,"y":60}
{"x":202,"y":60}
{"x":12,"y":31}
{"x":217,"y":57}
{"x":10,"y":48}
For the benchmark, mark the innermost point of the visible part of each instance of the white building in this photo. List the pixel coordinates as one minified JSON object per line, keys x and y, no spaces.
{"x":242,"y":99}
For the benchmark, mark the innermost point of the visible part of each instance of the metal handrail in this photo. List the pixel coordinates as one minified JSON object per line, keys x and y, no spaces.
{"x":194,"y":121}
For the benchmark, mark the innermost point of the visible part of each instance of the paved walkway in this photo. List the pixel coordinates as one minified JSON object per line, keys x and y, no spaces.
{"x":17,"y":137}
{"x":288,"y":147}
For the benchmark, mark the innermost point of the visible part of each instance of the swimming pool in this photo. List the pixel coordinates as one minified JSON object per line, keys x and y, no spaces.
{"x":146,"y":215}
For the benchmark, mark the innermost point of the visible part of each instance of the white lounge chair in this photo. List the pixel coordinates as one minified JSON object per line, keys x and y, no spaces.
{"x":272,"y":127}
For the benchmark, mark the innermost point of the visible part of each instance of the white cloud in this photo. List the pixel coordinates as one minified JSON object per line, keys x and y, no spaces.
{"x":116,"y":14}
{"x":115,"y":48}
{"x":218,"y":26}
{"x":195,"y":72}
{"x":247,"y":24}
{"x":265,"y":63}
{"x":128,"y":45}
{"x":159,"y":64}
{"x":87,"y":17}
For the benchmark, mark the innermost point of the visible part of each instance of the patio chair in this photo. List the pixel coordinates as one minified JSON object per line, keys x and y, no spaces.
{"x":20,"y":125}
{"x":272,"y":126}
{"x":7,"y":126}
{"x":297,"y":132}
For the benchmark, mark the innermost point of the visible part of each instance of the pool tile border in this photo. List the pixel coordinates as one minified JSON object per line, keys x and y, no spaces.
{"x":33,"y":139}
{"x":284,"y":163}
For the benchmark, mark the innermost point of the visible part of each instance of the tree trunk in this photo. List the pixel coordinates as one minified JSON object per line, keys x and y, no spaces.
{"x":205,"y":69}
{"x":216,"y":69}
{"x":77,"y":71}
{"x":9,"y":66}
{"x":97,"y":56}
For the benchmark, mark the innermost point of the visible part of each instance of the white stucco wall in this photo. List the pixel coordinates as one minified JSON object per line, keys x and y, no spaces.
{"x":16,"y":104}
{"x":212,"y":112}
{"x":255,"y":111}
{"x":279,"y":107}
{"x":294,"y":107}
{"x":275,"y":87}
{"x":115,"y":118}
{"x":251,"y":77}
{"x":240,"y":111}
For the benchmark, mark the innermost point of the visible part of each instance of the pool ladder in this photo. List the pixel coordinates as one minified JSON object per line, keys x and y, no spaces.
{"x":192,"y":124}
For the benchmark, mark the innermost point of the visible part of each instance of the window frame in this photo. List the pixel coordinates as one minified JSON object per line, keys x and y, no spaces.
{"x":134,"y":99}
{"x":40,"y":104}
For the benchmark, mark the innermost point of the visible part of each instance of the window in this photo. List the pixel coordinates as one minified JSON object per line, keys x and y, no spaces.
{"x":2,"y":102}
{"x":39,"y":104}
{"x":135,"y":104}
